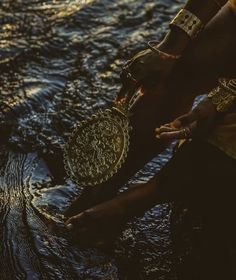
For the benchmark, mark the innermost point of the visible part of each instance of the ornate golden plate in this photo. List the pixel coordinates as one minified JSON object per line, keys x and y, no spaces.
{"x":98,"y":146}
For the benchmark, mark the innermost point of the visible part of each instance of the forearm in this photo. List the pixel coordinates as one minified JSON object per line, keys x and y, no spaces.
{"x":176,"y":40}
{"x":205,"y":61}
{"x":139,"y":198}
{"x":205,"y":9}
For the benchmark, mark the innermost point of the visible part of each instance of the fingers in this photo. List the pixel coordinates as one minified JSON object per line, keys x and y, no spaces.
{"x":89,"y":229}
{"x":134,"y":73}
{"x":83,"y":230}
{"x":129,"y":84}
{"x":169,"y":127}
{"x":79,"y":221}
{"x":170,"y":132}
{"x":127,"y":89}
{"x":133,"y":68}
{"x":166,"y":128}
{"x":184,"y":133}
{"x":180,"y":122}
{"x":180,"y":127}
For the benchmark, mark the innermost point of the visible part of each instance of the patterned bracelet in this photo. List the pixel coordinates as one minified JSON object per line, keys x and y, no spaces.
{"x":224,"y":96}
{"x":229,"y":85}
{"x":188,"y":22}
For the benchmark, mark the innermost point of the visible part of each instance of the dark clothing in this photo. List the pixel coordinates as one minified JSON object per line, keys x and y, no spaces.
{"x":200,"y":172}
{"x":203,"y":178}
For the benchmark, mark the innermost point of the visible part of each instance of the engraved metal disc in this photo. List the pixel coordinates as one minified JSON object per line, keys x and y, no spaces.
{"x":97,"y":148}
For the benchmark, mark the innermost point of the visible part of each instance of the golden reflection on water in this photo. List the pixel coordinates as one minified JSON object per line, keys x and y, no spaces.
{"x":61,"y":8}
{"x":7,"y":32}
{"x":66,"y":8}
{"x":12,"y":31}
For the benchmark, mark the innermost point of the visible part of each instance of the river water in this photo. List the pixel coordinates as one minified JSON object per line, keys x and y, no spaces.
{"x":60,"y":62}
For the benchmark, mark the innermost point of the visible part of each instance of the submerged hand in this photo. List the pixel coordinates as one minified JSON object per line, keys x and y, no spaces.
{"x":196,"y":122}
{"x":97,"y":225}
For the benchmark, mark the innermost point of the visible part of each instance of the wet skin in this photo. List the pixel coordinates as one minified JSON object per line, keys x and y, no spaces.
{"x":210,"y":57}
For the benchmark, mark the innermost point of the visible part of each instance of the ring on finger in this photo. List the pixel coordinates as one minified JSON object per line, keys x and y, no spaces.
{"x":186,"y":132}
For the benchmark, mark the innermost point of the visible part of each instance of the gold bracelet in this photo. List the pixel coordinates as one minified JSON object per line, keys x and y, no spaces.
{"x":229,"y":85}
{"x":188,"y":22}
{"x":152,"y":45}
{"x":224,"y":96}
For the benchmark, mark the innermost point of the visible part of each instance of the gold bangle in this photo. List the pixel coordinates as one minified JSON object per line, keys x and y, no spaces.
{"x":164,"y":55}
{"x":188,"y":22}
{"x":223,"y":96}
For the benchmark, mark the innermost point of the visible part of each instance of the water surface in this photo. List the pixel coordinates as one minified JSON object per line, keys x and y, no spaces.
{"x":60,"y":62}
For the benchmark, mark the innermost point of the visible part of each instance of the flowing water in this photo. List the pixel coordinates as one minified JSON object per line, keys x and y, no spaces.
{"x":60,"y":62}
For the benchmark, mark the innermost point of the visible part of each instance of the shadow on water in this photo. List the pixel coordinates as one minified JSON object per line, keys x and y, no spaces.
{"x":60,"y":62}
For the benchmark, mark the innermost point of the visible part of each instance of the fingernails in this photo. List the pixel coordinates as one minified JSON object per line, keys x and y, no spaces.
{"x":69,"y":226}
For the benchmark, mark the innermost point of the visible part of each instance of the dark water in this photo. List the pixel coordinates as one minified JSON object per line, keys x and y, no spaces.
{"x":60,"y":61}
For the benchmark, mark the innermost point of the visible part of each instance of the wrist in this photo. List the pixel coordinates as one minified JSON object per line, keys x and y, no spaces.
{"x":184,"y":27}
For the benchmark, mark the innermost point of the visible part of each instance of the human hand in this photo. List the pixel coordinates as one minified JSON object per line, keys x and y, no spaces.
{"x":147,"y":69}
{"x":196,"y":122}
{"x":98,"y":225}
